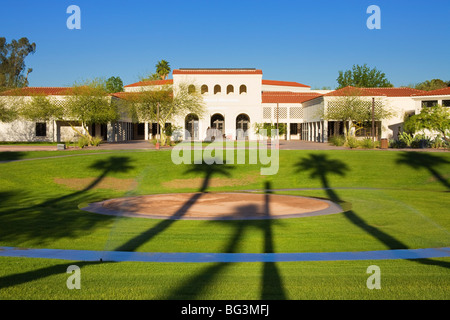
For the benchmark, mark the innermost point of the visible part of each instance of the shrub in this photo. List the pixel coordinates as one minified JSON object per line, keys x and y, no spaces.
{"x":338,"y":141}
{"x":352,"y":142}
{"x":96,"y":141}
{"x":82,"y":142}
{"x":396,"y":144}
{"x":421,"y":141}
{"x":438,"y":142}
{"x":367,"y":143}
{"x":406,"y":138}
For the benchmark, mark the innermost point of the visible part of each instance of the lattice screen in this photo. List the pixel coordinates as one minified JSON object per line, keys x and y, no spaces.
{"x":356,"y":105}
{"x":296,"y":112}
{"x":282,"y":113}
{"x":267,"y":112}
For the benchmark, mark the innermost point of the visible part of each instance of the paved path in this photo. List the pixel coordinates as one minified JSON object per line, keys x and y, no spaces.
{"x":121,"y":256}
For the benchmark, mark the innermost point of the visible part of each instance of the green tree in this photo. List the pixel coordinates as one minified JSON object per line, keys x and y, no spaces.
{"x":163,"y":105}
{"x":12,"y":62}
{"x":433,"y":84}
{"x":269,"y":127}
{"x":163,"y":69}
{"x":114,"y":84}
{"x":354,"y":111}
{"x":7,"y":113}
{"x":362,"y":77}
{"x":436,"y":118}
{"x":90,"y":103}
{"x":41,"y":108}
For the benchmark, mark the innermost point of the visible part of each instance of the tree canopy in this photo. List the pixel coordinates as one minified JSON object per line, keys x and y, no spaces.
{"x":362,"y":77}
{"x":436,"y":118}
{"x":170,"y":102}
{"x":354,"y":110}
{"x":432,"y":84}
{"x":163,"y":69}
{"x":12,"y":62}
{"x":114,"y":84}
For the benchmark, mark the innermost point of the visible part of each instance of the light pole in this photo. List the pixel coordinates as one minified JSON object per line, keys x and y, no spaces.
{"x":373,"y":119}
{"x":157,"y":126}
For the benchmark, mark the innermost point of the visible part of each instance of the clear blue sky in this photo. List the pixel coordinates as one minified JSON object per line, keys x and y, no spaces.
{"x":303,"y":41}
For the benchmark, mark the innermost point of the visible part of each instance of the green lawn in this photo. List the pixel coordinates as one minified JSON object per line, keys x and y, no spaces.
{"x":392,"y":200}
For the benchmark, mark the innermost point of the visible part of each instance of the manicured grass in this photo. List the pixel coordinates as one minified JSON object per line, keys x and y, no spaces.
{"x":391,"y":200}
{"x":46,"y":279}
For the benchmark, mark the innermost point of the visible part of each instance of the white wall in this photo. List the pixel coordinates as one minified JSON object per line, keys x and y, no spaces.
{"x":228,"y":105}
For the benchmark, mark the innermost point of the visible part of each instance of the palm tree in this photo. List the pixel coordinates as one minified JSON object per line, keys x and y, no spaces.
{"x":163,"y":69}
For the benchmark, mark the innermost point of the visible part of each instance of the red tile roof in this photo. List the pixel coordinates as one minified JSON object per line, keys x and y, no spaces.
{"x":217,"y":71}
{"x":29,"y":91}
{"x":150,"y":83}
{"x":437,"y":92}
{"x":396,"y":92}
{"x":287,"y":97}
{"x":388,"y":92}
{"x":284,"y":83}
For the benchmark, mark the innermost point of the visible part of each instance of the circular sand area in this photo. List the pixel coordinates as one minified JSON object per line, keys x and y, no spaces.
{"x":215,"y":206}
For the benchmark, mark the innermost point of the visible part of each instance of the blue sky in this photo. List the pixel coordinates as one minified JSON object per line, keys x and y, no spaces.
{"x":303,"y":41}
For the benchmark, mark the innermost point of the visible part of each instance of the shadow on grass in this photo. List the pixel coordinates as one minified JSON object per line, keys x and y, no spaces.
{"x":271,"y":283}
{"x":428,"y":161}
{"x":57,"y":217}
{"x":7,"y":156}
{"x":320,"y":167}
{"x":208,"y":171}
{"x":42,"y":273}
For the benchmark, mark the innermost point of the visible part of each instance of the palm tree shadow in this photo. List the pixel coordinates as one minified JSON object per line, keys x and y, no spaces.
{"x":59,"y":216}
{"x":271,"y":286}
{"x":418,"y":160}
{"x":208,"y":172}
{"x":320,"y":167}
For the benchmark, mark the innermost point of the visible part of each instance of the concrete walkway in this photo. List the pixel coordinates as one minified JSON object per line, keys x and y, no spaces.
{"x":190,"y":257}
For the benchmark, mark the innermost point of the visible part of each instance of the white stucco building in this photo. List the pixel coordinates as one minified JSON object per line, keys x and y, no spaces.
{"x":235,"y":100}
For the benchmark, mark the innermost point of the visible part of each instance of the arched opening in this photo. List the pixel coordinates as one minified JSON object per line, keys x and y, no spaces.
{"x":217,"y":126}
{"x":217,"y":89}
{"x":204,"y":89}
{"x":242,"y":89}
{"x":191,"y":126}
{"x":230,"y":89}
{"x":191,"y":88}
{"x":242,"y":126}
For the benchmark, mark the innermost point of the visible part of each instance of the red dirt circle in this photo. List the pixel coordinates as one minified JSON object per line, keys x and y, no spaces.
{"x":215,"y":206}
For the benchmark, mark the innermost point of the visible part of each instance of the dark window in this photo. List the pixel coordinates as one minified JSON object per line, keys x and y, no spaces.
{"x":365,"y":129}
{"x":446,"y":103}
{"x":141,"y":129}
{"x":41,"y":129}
{"x":204,"y":89}
{"x":294,"y":128}
{"x":242,"y":89}
{"x":429,"y":104}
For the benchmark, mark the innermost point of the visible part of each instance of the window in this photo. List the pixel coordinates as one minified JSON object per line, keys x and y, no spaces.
{"x":230,"y":89}
{"x":204,"y":89}
{"x":191,"y":88}
{"x":446,"y":103}
{"x":294,"y":128}
{"x":41,"y":129}
{"x":242,"y":89}
{"x":429,"y":104}
{"x":217,"y":89}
